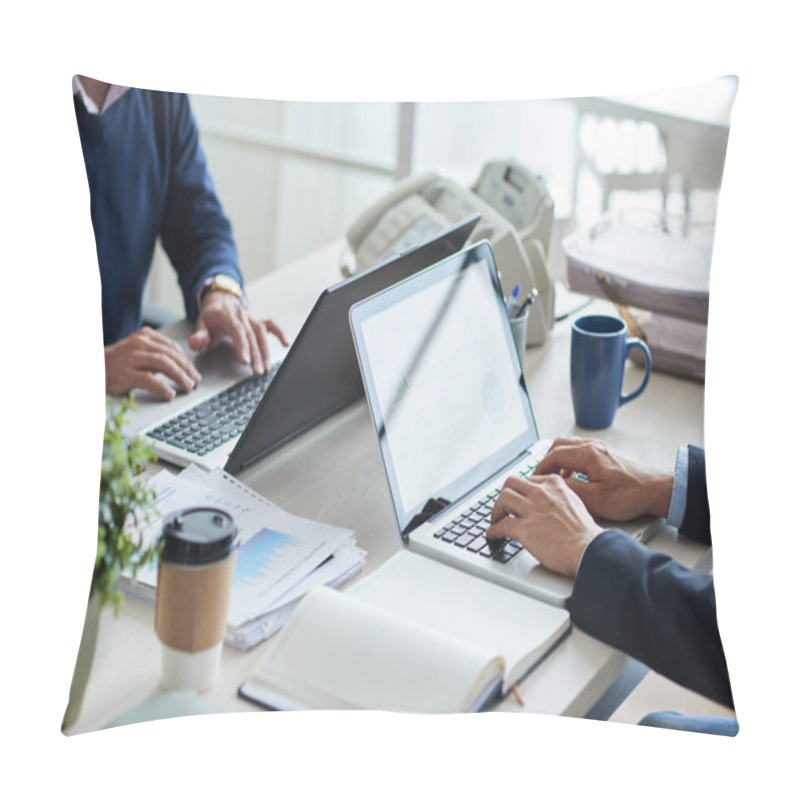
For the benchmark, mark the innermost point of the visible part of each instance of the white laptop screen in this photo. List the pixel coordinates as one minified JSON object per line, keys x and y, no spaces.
{"x":443,"y":380}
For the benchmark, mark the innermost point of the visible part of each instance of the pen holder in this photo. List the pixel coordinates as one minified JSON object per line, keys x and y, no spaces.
{"x":519,"y":329}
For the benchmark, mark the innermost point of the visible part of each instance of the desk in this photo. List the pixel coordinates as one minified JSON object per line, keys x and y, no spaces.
{"x":333,"y":473}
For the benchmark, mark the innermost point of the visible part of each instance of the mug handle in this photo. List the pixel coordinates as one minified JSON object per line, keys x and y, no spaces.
{"x":626,"y":398}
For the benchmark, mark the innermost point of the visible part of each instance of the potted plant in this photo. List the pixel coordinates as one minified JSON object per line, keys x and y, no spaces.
{"x":126,"y":506}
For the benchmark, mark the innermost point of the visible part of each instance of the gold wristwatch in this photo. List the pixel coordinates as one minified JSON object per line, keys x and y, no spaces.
{"x":223,"y":283}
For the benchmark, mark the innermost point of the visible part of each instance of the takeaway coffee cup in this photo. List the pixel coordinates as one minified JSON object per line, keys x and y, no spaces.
{"x":195,"y":573}
{"x":600,"y":345}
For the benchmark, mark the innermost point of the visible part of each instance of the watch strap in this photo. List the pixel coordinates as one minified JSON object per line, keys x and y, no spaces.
{"x":222,"y":283}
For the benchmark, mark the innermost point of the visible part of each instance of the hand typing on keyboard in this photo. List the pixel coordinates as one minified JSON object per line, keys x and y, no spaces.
{"x":610,"y":485}
{"x":141,"y":359}
{"x":547,"y":518}
{"x":136,"y":361}
{"x":468,"y":531}
{"x":224,"y":314}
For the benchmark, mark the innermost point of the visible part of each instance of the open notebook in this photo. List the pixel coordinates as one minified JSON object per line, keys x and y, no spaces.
{"x":414,"y":636}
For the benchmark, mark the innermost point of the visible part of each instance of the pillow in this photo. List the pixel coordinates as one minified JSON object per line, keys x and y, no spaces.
{"x":242,"y":187}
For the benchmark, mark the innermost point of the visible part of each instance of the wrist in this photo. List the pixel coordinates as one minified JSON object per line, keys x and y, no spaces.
{"x":659,"y":493}
{"x":579,"y":547}
{"x":221,"y":284}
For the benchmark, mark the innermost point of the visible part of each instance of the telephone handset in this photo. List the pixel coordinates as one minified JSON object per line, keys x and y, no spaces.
{"x":516,"y":218}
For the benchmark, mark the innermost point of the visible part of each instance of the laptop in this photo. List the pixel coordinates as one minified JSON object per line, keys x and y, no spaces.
{"x":232,"y":421}
{"x":449,"y":404}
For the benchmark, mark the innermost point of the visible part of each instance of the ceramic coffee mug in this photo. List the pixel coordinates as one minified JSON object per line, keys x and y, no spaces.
{"x":600,"y":345}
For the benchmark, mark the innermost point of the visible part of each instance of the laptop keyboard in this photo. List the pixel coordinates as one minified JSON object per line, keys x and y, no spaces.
{"x":468,"y":529}
{"x":218,"y":420}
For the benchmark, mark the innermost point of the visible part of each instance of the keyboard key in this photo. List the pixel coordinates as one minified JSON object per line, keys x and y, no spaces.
{"x":217,"y":420}
{"x":468,"y":530}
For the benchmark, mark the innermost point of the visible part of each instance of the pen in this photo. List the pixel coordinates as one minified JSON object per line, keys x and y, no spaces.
{"x":528,"y":300}
{"x":513,"y":299}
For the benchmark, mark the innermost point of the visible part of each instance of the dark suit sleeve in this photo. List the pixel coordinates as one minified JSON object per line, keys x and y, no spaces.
{"x":697,"y":519}
{"x":649,"y":606}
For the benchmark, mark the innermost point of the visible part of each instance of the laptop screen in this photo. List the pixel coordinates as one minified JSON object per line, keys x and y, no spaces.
{"x":443,"y":380}
{"x":320,"y":373}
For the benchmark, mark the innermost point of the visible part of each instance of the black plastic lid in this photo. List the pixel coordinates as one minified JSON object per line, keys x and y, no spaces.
{"x":198,"y":536}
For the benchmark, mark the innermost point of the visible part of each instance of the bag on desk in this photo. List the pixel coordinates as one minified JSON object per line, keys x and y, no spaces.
{"x":415,"y":636}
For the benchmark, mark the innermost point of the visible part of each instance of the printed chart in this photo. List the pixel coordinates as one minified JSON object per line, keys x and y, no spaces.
{"x":257,"y":557}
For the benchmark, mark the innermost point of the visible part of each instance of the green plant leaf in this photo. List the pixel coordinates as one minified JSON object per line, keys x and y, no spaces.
{"x":125,"y":506}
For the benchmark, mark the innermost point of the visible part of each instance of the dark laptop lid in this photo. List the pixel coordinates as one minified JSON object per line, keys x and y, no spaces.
{"x":319,"y":374}
{"x":443,"y":381}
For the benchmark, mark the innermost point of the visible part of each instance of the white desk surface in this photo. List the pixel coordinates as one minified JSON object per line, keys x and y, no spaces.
{"x":333,"y":473}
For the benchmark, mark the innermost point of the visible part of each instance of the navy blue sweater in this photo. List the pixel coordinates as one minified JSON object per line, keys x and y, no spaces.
{"x":148,"y":179}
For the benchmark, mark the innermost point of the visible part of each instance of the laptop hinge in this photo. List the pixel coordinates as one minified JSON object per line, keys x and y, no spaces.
{"x":430,"y":509}
{"x":437,"y":504}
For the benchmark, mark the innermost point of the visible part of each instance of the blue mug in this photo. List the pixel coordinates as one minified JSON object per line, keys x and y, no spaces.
{"x":600,"y":345}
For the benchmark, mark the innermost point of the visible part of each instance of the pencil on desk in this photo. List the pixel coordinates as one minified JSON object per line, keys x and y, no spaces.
{"x":517,"y":695}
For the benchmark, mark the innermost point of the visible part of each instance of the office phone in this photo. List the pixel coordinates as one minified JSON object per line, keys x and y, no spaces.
{"x":516,"y":218}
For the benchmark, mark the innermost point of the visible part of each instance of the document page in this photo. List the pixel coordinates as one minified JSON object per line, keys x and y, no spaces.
{"x":276,"y":550}
{"x":496,"y":619}
{"x":337,"y":651}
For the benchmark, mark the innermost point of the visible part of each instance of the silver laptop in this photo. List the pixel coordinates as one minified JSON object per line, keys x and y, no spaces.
{"x":448,"y":400}
{"x":234,"y":419}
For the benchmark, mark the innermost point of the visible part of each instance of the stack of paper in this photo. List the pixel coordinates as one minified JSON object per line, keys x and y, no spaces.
{"x":280,"y":556}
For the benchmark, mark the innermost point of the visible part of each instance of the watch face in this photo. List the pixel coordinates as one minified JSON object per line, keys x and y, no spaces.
{"x":227,"y":284}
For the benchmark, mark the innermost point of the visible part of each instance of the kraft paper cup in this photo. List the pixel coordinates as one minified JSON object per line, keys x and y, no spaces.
{"x":195,"y":574}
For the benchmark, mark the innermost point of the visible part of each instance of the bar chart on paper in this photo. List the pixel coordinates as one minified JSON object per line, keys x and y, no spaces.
{"x":279,"y":556}
{"x":268,"y":564}
{"x":259,"y":555}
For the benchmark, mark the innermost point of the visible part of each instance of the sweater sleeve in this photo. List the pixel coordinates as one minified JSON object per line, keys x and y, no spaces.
{"x":649,"y":606}
{"x":195,"y":232}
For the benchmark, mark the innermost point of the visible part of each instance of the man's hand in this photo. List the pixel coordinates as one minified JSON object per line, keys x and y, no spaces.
{"x":615,"y":488}
{"x":222,"y":314}
{"x":547,"y":518}
{"x":132,"y":363}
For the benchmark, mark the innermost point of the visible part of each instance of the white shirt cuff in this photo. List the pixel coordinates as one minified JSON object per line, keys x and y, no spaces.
{"x":677,"y":505}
